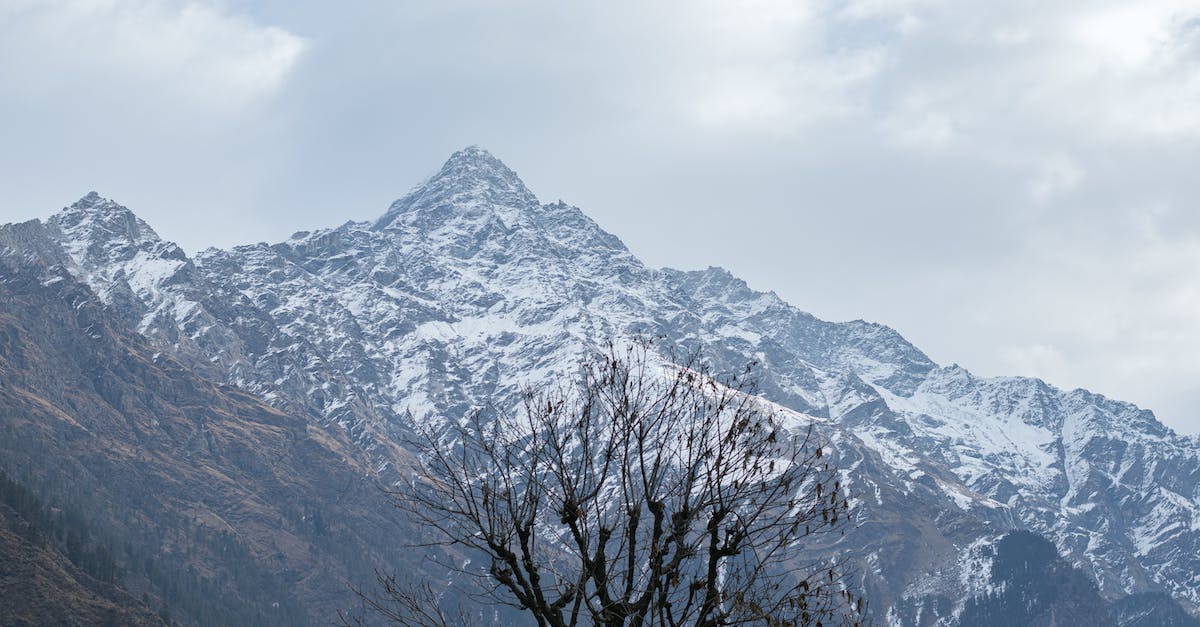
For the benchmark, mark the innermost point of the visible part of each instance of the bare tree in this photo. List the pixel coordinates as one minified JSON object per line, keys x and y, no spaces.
{"x":402,"y":603}
{"x":643,"y":493}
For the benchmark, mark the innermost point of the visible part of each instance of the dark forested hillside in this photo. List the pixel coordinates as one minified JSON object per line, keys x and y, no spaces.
{"x":1032,"y":585}
{"x":1029,"y":583}
{"x":54,"y":571}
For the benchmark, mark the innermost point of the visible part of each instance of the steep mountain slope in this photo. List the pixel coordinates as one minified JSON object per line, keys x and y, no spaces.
{"x":217,"y":506}
{"x":468,"y":287}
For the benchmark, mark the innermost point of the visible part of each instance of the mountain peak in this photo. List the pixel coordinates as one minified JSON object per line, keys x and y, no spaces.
{"x":93,"y":201}
{"x":473,"y":179}
{"x":474,"y":167}
{"x":94,"y":223}
{"x":476,"y":157}
{"x":93,"y":208}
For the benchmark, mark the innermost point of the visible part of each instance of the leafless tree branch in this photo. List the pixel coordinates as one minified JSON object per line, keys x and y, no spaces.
{"x":640,"y":495}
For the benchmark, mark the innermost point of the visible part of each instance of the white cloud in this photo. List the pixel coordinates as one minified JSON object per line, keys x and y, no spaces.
{"x":1138,"y":66}
{"x":1128,"y":36}
{"x":1116,"y":68}
{"x":919,"y":125}
{"x":780,"y":95}
{"x":184,"y":54}
{"x":1056,"y":175}
{"x":760,"y":66}
{"x":1038,"y":360}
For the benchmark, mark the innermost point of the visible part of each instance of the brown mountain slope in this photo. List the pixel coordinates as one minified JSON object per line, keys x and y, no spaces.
{"x":216,"y":505}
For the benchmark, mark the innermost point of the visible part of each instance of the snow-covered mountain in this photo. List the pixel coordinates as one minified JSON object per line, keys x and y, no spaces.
{"x":469,"y":286}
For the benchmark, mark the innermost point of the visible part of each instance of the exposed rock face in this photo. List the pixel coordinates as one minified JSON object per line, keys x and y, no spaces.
{"x":468,"y":287}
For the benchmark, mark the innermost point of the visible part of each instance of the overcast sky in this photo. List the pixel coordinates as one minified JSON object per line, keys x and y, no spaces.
{"x":1015,"y":186}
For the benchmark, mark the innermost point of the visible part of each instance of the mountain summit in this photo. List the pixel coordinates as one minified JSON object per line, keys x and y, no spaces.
{"x":469,"y":288}
{"x":97,"y":227}
{"x":471,"y":180}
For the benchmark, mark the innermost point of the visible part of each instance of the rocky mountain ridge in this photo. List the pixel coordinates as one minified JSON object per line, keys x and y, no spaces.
{"x":468,"y":287}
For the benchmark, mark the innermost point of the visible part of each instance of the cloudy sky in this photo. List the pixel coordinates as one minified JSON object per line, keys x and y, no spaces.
{"x":1012,"y":185}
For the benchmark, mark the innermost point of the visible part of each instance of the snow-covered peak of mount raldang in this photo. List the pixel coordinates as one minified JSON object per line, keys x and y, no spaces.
{"x":469,"y":287}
